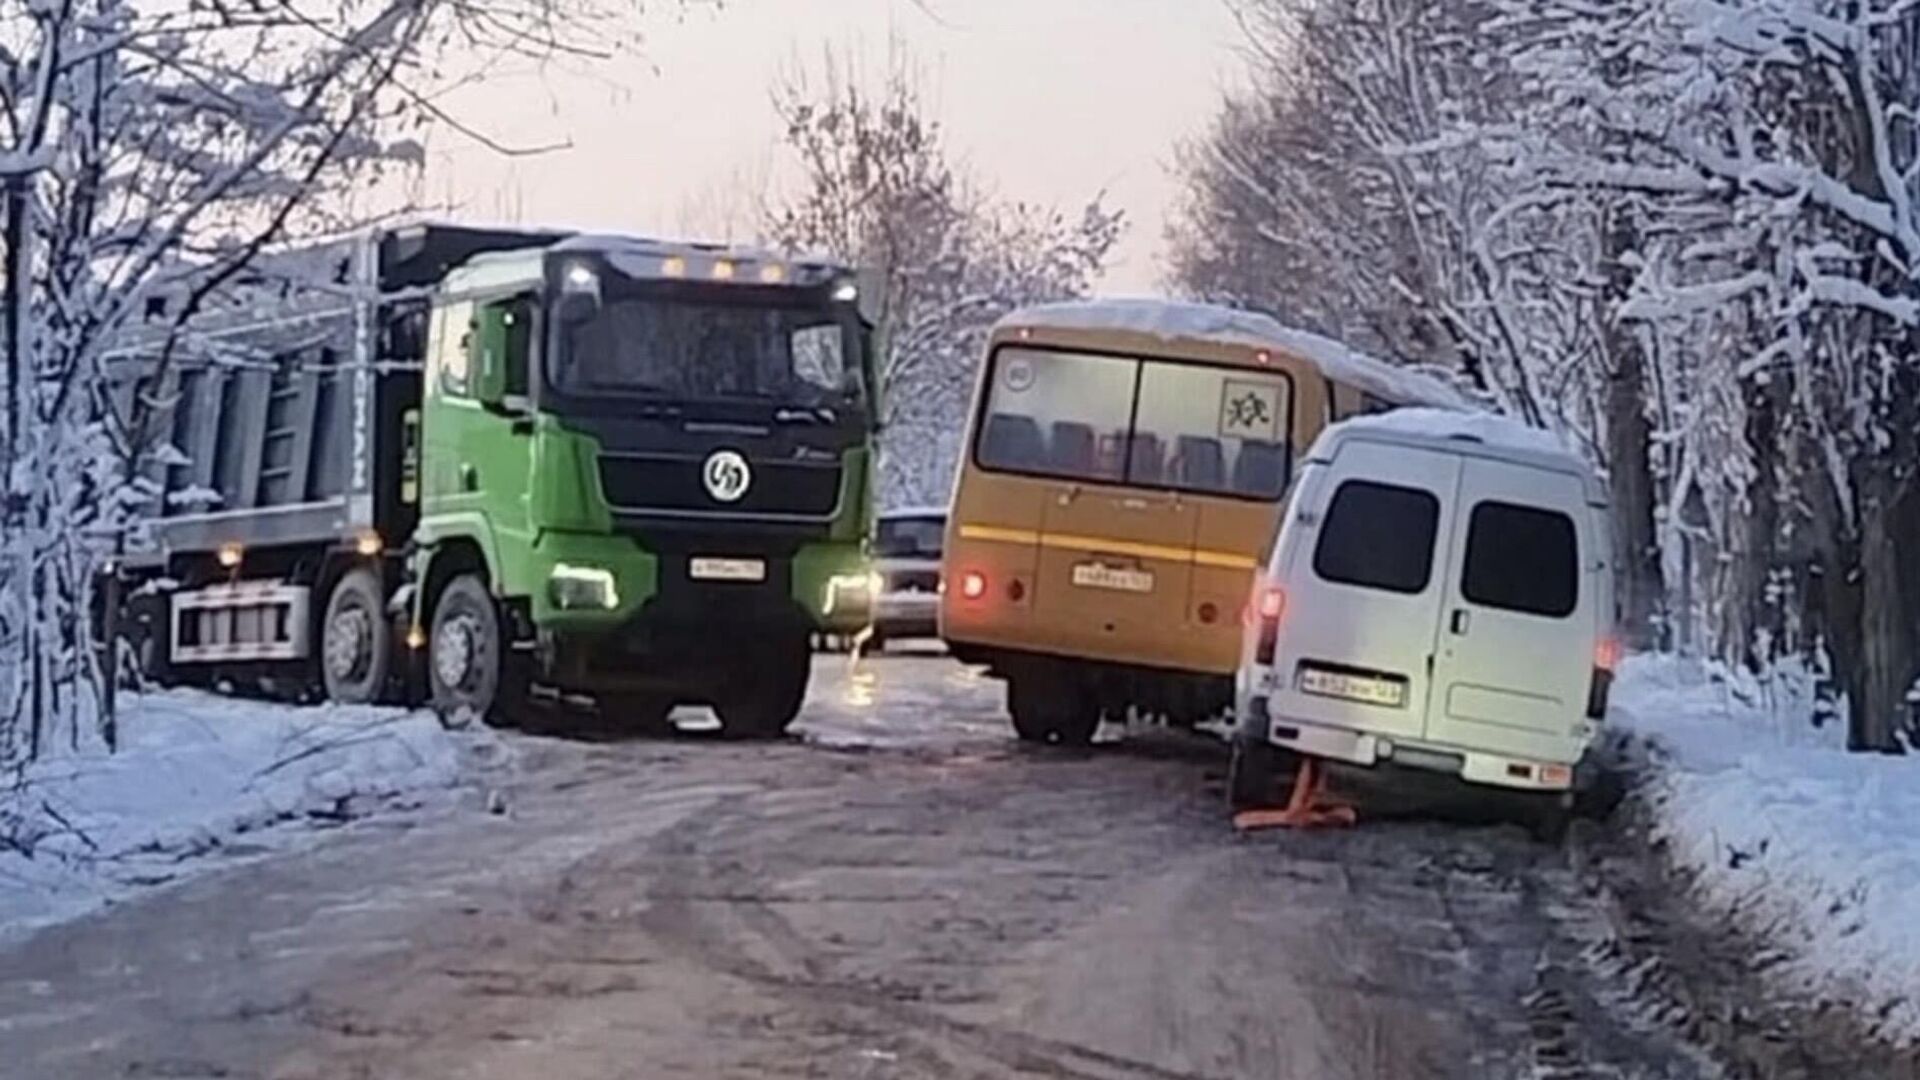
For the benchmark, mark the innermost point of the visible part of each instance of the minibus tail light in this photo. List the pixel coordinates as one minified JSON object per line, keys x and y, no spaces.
{"x":1606,"y":657}
{"x":1273,"y":604}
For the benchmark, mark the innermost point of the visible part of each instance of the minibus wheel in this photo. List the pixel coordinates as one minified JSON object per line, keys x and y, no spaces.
{"x":1550,"y":817}
{"x":1050,"y":708}
{"x":1253,"y":774}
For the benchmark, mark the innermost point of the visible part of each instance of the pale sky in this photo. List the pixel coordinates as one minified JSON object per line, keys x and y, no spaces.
{"x":1049,"y":101}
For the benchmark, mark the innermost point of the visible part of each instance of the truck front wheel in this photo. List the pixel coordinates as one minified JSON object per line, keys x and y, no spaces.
{"x":765,"y":698}
{"x":356,"y":640}
{"x":474,"y":672}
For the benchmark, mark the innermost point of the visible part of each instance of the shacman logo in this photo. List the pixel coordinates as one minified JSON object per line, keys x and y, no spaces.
{"x":727,"y":476}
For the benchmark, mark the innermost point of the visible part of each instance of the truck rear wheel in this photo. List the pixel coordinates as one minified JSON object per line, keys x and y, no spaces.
{"x":764,"y":699}
{"x":1050,"y":707}
{"x":474,"y":673}
{"x":356,"y":640}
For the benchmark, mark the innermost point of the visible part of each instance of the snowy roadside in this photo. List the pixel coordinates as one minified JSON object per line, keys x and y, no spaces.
{"x":1809,"y":848}
{"x":201,"y":780}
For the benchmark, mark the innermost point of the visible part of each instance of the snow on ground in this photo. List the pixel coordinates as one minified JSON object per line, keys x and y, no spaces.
{"x":1815,"y":849}
{"x":200,"y":779}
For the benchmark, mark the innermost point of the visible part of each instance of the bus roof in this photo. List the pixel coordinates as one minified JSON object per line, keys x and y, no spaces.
{"x":1213,"y":325}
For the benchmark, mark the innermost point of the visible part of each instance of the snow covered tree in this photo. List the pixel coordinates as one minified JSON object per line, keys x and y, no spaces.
{"x":1681,"y":230}
{"x":160,"y":148}
{"x":1370,"y":184}
{"x":1773,"y":143}
{"x":941,"y":260}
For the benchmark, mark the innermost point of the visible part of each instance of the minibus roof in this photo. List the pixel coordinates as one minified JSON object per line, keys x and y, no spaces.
{"x":1475,"y":434}
{"x":1149,"y":325}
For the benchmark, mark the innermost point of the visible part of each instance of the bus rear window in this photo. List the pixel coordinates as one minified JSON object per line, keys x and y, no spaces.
{"x":1154,"y":423}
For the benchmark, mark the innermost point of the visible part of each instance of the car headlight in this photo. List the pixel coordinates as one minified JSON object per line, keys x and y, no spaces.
{"x":577,"y":588}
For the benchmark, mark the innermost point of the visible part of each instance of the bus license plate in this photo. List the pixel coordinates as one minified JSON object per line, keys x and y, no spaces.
{"x":711,"y":569}
{"x":1368,"y":689}
{"x":1097,"y":576}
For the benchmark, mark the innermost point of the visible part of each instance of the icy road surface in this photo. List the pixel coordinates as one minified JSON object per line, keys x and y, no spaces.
{"x":902,"y":891}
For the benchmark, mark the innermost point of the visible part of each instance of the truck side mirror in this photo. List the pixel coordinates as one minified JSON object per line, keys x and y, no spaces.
{"x":490,"y":342}
{"x":574,"y":308}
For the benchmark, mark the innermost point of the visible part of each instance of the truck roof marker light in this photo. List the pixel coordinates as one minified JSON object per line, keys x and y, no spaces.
{"x":846,"y":292}
{"x":673,"y":266}
{"x":368,"y":544}
{"x":229,"y":555}
{"x":723,"y":270}
{"x":973,"y":585}
{"x":581,"y":278}
{"x":773,"y":273}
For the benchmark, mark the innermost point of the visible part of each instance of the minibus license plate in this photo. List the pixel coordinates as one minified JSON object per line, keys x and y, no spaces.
{"x":1096,"y":576}
{"x":1373,"y":690}
{"x":711,"y":569}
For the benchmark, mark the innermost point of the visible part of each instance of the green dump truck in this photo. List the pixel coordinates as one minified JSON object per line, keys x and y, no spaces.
{"x":479,"y":466}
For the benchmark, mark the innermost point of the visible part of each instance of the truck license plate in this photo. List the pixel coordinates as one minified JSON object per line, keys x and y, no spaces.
{"x":711,"y":569}
{"x":1098,"y":576}
{"x":1368,"y":689}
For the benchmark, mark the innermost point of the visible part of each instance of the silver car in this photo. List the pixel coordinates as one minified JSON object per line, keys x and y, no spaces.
{"x":907,"y":558}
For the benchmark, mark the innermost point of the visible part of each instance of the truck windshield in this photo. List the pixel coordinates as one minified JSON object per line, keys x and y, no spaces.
{"x":685,"y":350}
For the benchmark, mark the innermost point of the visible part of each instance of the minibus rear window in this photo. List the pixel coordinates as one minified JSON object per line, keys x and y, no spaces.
{"x":1521,"y":558}
{"x":1378,"y":536}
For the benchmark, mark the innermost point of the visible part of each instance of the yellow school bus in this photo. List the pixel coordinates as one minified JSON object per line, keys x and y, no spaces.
{"x":1124,"y":471}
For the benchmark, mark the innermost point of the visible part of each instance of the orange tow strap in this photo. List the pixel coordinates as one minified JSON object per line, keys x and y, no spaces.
{"x":1309,"y":807}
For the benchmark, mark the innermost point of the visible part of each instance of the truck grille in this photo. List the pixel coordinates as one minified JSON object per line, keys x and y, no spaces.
{"x":662,"y":484}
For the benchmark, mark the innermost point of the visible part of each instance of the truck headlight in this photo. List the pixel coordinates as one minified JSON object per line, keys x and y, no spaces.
{"x":576,"y":588}
{"x":851,"y":591}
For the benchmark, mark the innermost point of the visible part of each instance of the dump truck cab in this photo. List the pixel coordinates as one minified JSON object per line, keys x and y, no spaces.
{"x":653,"y":461}
{"x":482,"y":464}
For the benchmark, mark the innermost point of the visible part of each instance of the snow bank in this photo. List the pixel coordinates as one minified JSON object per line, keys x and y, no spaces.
{"x":1489,"y":428}
{"x":1173,"y":320}
{"x":194,"y":773}
{"x":1815,"y":849}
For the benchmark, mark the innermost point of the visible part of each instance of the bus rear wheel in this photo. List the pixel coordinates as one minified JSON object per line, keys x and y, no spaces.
{"x":1051,"y":707}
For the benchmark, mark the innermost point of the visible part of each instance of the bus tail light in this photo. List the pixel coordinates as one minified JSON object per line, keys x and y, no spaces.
{"x":1272,"y":605}
{"x":973,"y":585}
